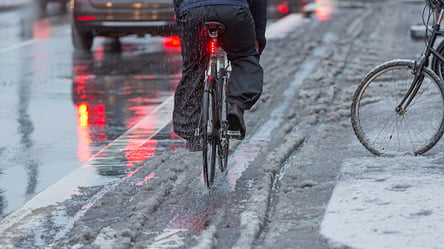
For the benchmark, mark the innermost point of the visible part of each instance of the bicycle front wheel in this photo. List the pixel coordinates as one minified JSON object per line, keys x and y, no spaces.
{"x":209,"y":136}
{"x":383,"y":130}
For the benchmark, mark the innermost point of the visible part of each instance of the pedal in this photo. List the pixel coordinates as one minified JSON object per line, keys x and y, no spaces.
{"x":234,"y":134}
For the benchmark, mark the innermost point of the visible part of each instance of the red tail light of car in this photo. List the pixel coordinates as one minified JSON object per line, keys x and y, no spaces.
{"x":172,"y":42}
{"x":85,"y":18}
{"x":283,"y":8}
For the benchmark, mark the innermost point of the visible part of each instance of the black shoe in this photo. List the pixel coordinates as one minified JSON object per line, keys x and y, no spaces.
{"x":194,"y":144}
{"x":235,"y":118}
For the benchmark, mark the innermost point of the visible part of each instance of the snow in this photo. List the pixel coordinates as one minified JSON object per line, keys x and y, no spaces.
{"x":388,"y":203}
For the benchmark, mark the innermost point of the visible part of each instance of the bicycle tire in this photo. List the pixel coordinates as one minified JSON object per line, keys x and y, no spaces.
{"x":380,"y":128}
{"x":224,"y":141}
{"x":437,"y":65}
{"x":209,"y":136}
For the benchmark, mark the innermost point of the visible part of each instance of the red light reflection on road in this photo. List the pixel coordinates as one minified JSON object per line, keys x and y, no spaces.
{"x":173,"y":136}
{"x":41,"y":29}
{"x":83,"y":151}
{"x":192,"y":223}
{"x":147,"y":178}
{"x":87,"y":116}
{"x":135,"y":153}
{"x":99,"y":53}
{"x":138,"y":148}
{"x":103,"y":115}
{"x":324,"y":9}
{"x":139,"y":109}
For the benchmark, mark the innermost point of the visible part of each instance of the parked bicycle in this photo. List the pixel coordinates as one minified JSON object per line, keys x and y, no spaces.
{"x":398,"y":108}
{"x":214,"y":125}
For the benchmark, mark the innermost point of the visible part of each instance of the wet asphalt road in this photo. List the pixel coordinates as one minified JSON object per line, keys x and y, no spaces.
{"x":60,"y":107}
{"x":282,"y":198}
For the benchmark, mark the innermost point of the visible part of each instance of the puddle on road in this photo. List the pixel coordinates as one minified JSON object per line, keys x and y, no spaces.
{"x":113,"y":91}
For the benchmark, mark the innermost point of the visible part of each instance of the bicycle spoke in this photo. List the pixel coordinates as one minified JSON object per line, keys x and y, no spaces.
{"x":383,"y":130}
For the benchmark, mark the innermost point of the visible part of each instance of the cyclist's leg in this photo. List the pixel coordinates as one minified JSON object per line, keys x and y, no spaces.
{"x":246,"y":78}
{"x":188,"y":95}
{"x":239,"y":41}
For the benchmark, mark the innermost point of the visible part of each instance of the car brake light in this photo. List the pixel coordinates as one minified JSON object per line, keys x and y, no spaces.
{"x":86,"y":18}
{"x":213,"y":47}
{"x":172,"y":42}
{"x":283,"y":9}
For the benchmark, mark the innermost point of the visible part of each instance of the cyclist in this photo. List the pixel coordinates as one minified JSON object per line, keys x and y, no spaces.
{"x":243,"y":40}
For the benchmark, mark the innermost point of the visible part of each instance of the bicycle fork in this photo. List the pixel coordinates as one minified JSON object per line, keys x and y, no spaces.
{"x":401,"y":109}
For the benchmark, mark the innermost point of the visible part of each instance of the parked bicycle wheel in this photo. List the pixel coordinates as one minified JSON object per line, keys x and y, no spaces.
{"x":383,"y":130}
{"x":209,"y":135}
{"x":437,"y":65}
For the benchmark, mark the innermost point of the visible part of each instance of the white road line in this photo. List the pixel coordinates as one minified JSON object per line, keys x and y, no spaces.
{"x":19,"y":45}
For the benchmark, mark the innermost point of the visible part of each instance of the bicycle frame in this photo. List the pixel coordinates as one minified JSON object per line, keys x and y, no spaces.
{"x":214,"y":106}
{"x":218,"y":60}
{"x":423,"y":62}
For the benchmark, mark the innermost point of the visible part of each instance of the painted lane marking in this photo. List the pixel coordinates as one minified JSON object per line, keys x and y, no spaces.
{"x":19,"y":45}
{"x":168,"y":239}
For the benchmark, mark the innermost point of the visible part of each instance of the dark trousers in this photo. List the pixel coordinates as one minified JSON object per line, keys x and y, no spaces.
{"x":238,"y":40}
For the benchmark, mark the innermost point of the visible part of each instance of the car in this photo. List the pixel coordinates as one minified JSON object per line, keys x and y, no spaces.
{"x":281,"y":8}
{"x":43,"y":3}
{"x":118,"y":18}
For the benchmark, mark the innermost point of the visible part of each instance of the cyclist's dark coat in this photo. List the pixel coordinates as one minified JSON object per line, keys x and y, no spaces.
{"x":258,"y":9}
{"x":244,"y":25}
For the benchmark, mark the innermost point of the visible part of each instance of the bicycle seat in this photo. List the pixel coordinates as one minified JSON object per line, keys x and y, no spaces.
{"x":214,"y":26}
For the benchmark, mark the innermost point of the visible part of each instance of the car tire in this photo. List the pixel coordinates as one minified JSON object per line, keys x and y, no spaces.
{"x":63,"y":8}
{"x":81,"y":40}
{"x":42,"y":6}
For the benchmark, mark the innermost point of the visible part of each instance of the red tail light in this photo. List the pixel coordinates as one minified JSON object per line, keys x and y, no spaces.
{"x":86,"y":18}
{"x":283,"y":8}
{"x":213,"y":47}
{"x":171,"y":42}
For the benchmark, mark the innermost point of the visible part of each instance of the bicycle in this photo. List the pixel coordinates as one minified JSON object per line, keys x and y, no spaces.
{"x":398,"y":107}
{"x":214,"y":125}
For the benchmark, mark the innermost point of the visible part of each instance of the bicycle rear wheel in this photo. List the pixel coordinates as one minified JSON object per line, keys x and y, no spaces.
{"x":222,"y":149}
{"x":209,"y":135}
{"x":437,"y":65}
{"x":381,"y":129}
